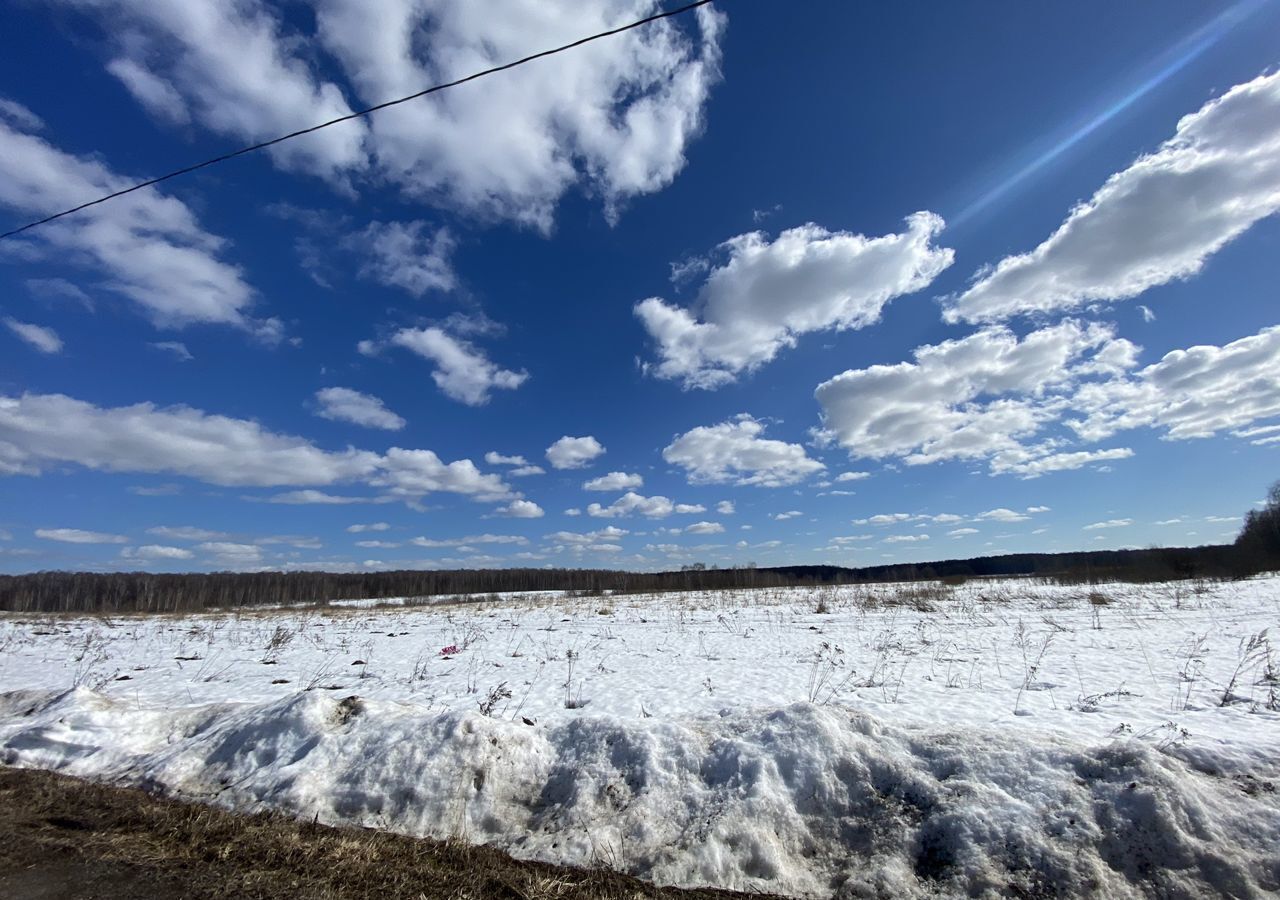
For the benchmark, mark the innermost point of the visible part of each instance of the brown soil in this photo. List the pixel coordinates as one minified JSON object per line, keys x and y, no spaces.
{"x":69,"y":839}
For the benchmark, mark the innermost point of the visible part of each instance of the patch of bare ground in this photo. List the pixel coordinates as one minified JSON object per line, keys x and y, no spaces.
{"x":69,"y":839}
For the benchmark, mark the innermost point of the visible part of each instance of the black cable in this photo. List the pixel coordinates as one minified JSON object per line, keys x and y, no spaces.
{"x":356,"y":115}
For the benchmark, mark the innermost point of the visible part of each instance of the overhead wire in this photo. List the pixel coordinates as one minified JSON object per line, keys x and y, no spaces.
{"x":185,"y":170}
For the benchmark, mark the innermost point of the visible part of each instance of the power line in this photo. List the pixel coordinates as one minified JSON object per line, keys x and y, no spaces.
{"x":358,"y":114}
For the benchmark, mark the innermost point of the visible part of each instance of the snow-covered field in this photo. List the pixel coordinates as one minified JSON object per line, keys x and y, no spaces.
{"x":896,"y":740}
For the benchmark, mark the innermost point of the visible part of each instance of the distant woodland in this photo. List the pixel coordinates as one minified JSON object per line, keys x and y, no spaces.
{"x":1257,"y":549}
{"x":161,"y":593}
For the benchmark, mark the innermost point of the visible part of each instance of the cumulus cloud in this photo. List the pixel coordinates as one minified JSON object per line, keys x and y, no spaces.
{"x":78,"y":536}
{"x":764,"y":296}
{"x":1156,"y":221}
{"x":346,"y":405}
{"x":186,"y":533}
{"x":791,"y":514}
{"x":372,"y":526}
{"x":19,"y":115}
{"x":175,"y":348}
{"x":150,"y":552}
{"x":406,"y":255}
{"x":462,"y":370}
{"x":608,"y":533}
{"x":37,"y":430}
{"x":521,"y":509}
{"x":311,"y":496}
{"x":614,"y":117}
{"x":617,"y":117}
{"x":1190,"y":393}
{"x":146,"y":246}
{"x":574,"y":452}
{"x":525,"y":471}
{"x":470,"y":540}
{"x":1109,"y":523}
{"x":58,"y":289}
{"x":494,"y":458}
{"x":962,"y":532}
{"x":412,"y":473}
{"x":614,"y":481}
{"x":1034,"y":462}
{"x":734,"y":452}
{"x":1003,"y":514}
{"x":725,"y":508}
{"x":703,"y":528}
{"x":631,"y":503}
{"x":232,"y":554}
{"x":969,"y":398}
{"x":44,"y":339}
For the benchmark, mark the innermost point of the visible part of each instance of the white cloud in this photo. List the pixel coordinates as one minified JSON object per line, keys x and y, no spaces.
{"x":574,"y":452}
{"x":792,"y":514}
{"x":725,"y":508}
{"x":1034,"y":462}
{"x":345,"y":405}
{"x":153,"y":92}
{"x":1003,"y":514}
{"x":186,"y":533}
{"x":766,"y":295}
{"x":1190,"y":393}
{"x":176,"y":348}
{"x":614,"y":117}
{"x":312,"y":496}
{"x":469,"y":540}
{"x":372,"y":526}
{"x":969,"y":398}
{"x":852,"y":476}
{"x":147,"y":246}
{"x":1147,"y":314}
{"x":906,"y":538}
{"x":614,"y":481}
{"x":383,"y":545}
{"x":462,"y":371}
{"x":1156,"y":221}
{"x":78,"y":536}
{"x":232,"y":554}
{"x":1110,"y":523}
{"x":58,"y":289}
{"x":405,"y":255}
{"x":631,"y":503}
{"x":609,"y":533}
{"x":155,"y":551}
{"x":522,"y":509}
{"x":704,"y":528}
{"x":1038,"y":509}
{"x":494,"y":458}
{"x":962,"y":532}
{"x":412,"y":473}
{"x":734,"y":452}
{"x":235,"y":69}
{"x":44,"y":339}
{"x":19,"y":115}
{"x":525,"y":471}
{"x":38,"y":429}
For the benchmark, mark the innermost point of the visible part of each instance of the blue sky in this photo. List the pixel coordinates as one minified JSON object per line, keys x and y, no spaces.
{"x":829,"y":282}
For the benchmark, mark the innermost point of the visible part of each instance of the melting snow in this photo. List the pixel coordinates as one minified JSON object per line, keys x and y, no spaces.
{"x":994,"y":738}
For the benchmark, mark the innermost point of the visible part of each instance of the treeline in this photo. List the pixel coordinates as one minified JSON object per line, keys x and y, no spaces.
{"x":159,"y":593}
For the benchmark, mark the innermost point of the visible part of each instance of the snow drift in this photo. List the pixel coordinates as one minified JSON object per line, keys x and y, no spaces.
{"x":804,"y":799}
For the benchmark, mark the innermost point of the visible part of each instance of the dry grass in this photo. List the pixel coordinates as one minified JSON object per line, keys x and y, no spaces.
{"x":66,"y":838}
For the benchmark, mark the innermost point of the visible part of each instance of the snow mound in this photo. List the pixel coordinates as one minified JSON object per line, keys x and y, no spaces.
{"x":807,"y":800}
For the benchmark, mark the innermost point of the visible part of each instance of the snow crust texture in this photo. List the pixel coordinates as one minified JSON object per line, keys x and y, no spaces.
{"x":834,"y":798}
